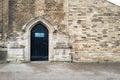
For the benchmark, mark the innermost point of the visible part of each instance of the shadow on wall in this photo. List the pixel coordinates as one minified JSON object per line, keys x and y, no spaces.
{"x":3,"y":54}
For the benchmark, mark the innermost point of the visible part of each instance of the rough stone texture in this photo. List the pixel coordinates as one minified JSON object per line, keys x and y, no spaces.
{"x":95,"y":30}
{"x":4,"y":16}
{"x":84,"y":30}
{"x":20,"y":11}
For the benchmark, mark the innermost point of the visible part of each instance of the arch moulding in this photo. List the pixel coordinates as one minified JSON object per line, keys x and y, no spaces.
{"x":27,"y":29}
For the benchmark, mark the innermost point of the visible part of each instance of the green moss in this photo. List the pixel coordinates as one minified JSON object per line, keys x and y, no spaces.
{"x":4,"y":62}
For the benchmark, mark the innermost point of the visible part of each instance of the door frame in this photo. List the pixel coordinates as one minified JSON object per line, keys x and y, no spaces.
{"x":27,"y":33}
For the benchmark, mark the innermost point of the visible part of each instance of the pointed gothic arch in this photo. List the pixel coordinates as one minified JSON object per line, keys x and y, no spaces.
{"x":27,"y":29}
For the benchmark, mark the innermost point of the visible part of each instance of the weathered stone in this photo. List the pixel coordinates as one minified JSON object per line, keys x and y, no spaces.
{"x":79,"y":30}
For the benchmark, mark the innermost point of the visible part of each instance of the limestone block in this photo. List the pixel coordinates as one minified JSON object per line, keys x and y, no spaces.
{"x":62,"y":55}
{"x":15,"y":55}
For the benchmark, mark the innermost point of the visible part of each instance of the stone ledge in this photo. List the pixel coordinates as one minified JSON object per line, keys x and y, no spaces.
{"x":62,"y":48}
{"x":3,"y":49}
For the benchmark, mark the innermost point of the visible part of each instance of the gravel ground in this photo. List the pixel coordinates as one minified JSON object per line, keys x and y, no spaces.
{"x":60,"y":71}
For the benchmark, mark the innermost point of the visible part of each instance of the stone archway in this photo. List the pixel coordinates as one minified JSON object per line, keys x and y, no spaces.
{"x":39,"y":43}
{"x":27,"y":28}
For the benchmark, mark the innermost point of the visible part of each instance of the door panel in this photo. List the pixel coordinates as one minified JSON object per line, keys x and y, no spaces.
{"x":39,"y":43}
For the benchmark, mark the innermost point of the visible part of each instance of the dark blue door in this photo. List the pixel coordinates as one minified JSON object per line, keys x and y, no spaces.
{"x":39,"y":43}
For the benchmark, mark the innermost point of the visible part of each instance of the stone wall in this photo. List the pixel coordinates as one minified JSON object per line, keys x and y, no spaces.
{"x":20,"y":11}
{"x":4,"y":21}
{"x":95,"y":31}
{"x":84,"y":30}
{"x":0,"y":16}
{"x":4,"y":14}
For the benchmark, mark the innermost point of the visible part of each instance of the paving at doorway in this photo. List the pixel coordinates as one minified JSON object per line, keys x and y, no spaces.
{"x":60,"y":71}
